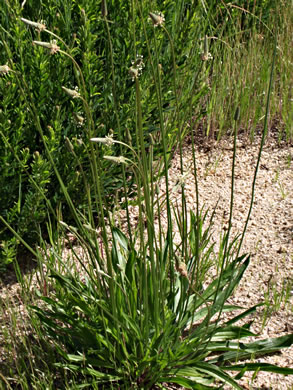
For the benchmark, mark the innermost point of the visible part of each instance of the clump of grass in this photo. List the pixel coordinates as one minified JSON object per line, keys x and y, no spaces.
{"x":278,"y":295}
{"x":252,"y":48}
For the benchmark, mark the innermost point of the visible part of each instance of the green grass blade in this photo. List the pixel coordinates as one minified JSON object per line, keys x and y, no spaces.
{"x":256,"y":348}
{"x":217,"y":373}
{"x":261,"y":367}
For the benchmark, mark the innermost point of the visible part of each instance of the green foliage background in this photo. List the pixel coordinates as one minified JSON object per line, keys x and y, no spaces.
{"x":24,"y":165}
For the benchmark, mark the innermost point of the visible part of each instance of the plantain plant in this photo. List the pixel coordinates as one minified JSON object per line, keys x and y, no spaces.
{"x":137,"y":308}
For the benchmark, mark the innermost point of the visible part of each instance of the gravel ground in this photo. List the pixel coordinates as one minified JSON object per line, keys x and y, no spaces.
{"x":269,"y":237}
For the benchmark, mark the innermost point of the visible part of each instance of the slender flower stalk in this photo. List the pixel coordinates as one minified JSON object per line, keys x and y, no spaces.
{"x":116,"y":107}
{"x":183,"y":203}
{"x":264,"y":134}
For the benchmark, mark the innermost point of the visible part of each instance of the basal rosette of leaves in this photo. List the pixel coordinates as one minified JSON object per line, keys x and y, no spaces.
{"x":120,"y":341}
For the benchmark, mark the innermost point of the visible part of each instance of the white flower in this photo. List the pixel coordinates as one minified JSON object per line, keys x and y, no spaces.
{"x":138,"y":63}
{"x":157,"y":18}
{"x":79,"y":119}
{"x":134,"y":73}
{"x":206,"y":56}
{"x":181,"y":180}
{"x":136,"y":68}
{"x":117,"y":160}
{"x":71,"y":92}
{"x":108,"y":140}
{"x":54,"y":48}
{"x":4,"y":69}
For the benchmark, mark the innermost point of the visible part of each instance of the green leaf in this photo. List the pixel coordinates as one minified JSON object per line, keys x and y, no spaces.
{"x":244,"y":314}
{"x":260,"y":367}
{"x":188,"y":377}
{"x":100,"y":376}
{"x":256,"y":348}
{"x":129,"y":269}
{"x":75,"y":358}
{"x":233,"y":273}
{"x":120,"y":238}
{"x":217,"y":373}
{"x":231,"y":333}
{"x":201,"y":313}
{"x":187,"y":383}
{"x":119,"y":251}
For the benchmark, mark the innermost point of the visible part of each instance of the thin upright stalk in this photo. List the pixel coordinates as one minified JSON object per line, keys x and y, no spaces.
{"x":177,"y":123}
{"x":116,"y":112}
{"x":232,"y":189}
{"x":261,"y":145}
{"x":158,"y":88}
{"x":147,"y":201}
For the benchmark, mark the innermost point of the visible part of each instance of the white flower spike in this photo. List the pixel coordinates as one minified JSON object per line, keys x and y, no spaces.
{"x":38,"y":26}
{"x":4,"y":69}
{"x":52,"y":46}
